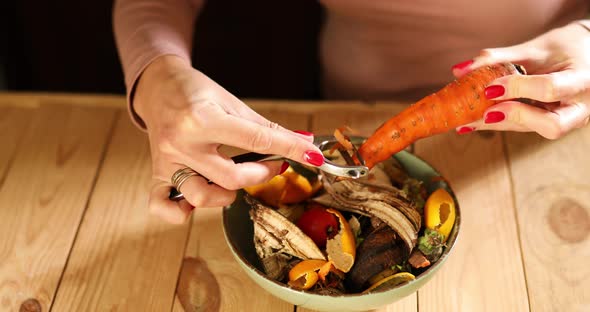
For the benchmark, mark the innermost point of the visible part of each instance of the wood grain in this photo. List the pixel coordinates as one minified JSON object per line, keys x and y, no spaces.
{"x":207,"y":243}
{"x":552,"y":188}
{"x":197,"y":288}
{"x":13,"y":124}
{"x":124,"y":259}
{"x":37,"y":99}
{"x":44,"y":197}
{"x":365,"y":122}
{"x":484,"y":271}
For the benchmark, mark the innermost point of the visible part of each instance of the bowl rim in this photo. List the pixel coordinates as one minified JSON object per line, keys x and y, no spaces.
{"x":451,"y":241}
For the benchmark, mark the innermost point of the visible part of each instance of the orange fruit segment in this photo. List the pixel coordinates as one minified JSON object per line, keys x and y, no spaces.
{"x":288,"y":188}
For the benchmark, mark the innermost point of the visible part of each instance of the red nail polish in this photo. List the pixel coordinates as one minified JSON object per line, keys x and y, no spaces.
{"x":494,"y":117}
{"x":303,"y":132}
{"x":462,"y":66}
{"x":314,"y":158}
{"x":284,"y":167}
{"x":464,"y":130}
{"x":493,"y":92}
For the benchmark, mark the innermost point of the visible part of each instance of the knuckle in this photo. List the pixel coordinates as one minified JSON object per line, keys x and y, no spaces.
{"x":552,"y":89}
{"x":274,"y":125}
{"x":292,"y":150}
{"x":485,"y":53}
{"x":554,"y":131}
{"x":233,"y":184}
{"x":195,"y":198}
{"x":166,"y":149}
{"x":202,"y":110}
{"x":584,"y":123}
{"x":226,"y":201}
{"x":198,"y":200}
{"x":515,"y":115}
{"x":166,"y":140}
{"x":261,"y":141}
{"x":232,"y":181}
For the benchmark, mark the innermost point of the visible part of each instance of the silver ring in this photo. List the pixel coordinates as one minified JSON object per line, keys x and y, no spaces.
{"x":181,"y":175}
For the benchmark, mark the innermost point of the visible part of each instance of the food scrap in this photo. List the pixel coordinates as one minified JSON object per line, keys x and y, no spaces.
{"x":325,"y":235}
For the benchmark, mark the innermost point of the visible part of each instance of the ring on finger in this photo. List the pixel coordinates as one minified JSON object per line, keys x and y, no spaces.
{"x":181,"y":175}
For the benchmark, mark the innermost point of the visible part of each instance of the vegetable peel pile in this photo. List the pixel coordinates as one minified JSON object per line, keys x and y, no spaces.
{"x":349,"y":236}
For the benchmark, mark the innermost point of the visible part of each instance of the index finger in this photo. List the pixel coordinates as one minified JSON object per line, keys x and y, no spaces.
{"x":254,"y":137}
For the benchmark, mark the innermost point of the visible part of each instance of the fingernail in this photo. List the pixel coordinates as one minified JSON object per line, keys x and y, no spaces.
{"x":303,"y":132}
{"x":314,"y":158}
{"x":464,"y":130}
{"x":284,"y":167}
{"x":494,"y":117}
{"x":493,"y":92}
{"x":462,"y":66}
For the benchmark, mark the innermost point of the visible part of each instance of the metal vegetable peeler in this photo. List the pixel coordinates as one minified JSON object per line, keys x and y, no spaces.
{"x":353,"y":169}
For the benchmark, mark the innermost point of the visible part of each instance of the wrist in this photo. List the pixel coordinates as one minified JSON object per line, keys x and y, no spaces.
{"x":150,"y":82}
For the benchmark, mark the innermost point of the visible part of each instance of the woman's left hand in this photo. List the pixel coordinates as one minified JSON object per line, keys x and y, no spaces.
{"x":557,"y":80}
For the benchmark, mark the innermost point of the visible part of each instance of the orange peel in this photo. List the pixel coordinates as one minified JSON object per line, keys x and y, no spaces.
{"x":290,"y":187}
{"x":324,"y":270}
{"x":304,"y":274}
{"x":391,"y":281}
{"x":439,"y":212}
{"x":341,"y":249}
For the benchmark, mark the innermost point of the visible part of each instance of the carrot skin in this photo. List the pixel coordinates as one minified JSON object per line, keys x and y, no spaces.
{"x":458,"y":103}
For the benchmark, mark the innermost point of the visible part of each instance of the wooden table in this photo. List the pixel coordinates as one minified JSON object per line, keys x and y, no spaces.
{"x":75,"y":234}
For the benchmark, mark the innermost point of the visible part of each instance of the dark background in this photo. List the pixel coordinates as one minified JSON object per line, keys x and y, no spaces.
{"x":256,"y":48}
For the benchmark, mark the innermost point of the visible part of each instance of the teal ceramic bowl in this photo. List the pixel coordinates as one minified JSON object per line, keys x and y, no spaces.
{"x":239,"y":230}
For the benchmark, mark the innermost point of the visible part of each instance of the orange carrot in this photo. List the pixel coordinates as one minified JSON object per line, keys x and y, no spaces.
{"x":460,"y":102}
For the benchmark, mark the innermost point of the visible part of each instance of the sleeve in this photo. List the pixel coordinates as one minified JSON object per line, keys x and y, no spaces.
{"x":147,"y":29}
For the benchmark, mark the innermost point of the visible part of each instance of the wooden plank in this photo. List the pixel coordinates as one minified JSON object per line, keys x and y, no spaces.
{"x":207,"y":244}
{"x":365,"y":122}
{"x":484,"y":271}
{"x":361,"y":119}
{"x":13,"y":124}
{"x":552,"y":192}
{"x":35,"y":99}
{"x":44,"y":198}
{"x":124,"y":259}
{"x":409,"y":303}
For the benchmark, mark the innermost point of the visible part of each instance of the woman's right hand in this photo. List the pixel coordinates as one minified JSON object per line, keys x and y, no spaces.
{"x":188,"y":117}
